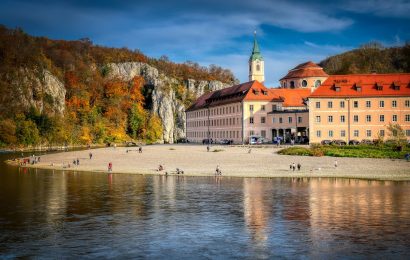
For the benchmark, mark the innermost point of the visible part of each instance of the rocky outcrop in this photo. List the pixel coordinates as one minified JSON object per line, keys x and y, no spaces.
{"x":38,"y":89}
{"x":168,"y":102}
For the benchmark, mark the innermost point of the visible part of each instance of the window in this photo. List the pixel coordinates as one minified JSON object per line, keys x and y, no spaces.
{"x":381,"y":132}
{"x":317,"y":104}
{"x":250,"y":107}
{"x":273,"y":120}
{"x":394,"y":103}
{"x":329,"y":104}
{"x":368,"y":133}
{"x":263,"y":133}
{"x":407,"y":132}
{"x":258,"y":67}
{"x":381,"y":118}
{"x":356,"y":118}
{"x":263,"y":120}
{"x":280,"y":120}
{"x":407,"y":118}
{"x":290,"y":119}
{"x":394,"y":119}
{"x":318,"y":133}
{"x":368,"y":103}
{"x":368,"y":118}
{"x":317,"y":119}
{"x":263,"y":107}
{"x":407,"y":103}
{"x":381,"y":103}
{"x":292,"y":84}
{"x":299,"y":119}
{"x":330,"y":119}
{"x":342,"y":133}
{"x":304,"y":83}
{"x":274,"y":107}
{"x":356,"y":133}
{"x":342,"y":104}
{"x":330,"y":133}
{"x":251,"y":132}
{"x":342,"y":119}
{"x":355,"y":104}
{"x":251,"y":120}
{"x":317,"y":83}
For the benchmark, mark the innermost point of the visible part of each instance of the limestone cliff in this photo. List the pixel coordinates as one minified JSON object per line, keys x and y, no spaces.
{"x":35,"y":88}
{"x":168,"y":95}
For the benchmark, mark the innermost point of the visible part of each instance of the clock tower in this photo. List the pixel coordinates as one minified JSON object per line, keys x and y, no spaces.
{"x":256,"y":63}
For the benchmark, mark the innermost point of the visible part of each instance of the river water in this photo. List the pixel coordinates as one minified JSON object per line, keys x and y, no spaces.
{"x":54,"y":214}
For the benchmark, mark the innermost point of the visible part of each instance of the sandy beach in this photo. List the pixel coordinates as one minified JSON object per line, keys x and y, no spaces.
{"x":237,"y":161}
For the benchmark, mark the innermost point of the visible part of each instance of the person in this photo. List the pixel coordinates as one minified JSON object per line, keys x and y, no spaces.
{"x":74,"y":162}
{"x":140,"y":149}
{"x":218,"y":171}
{"x":292,"y":142}
{"x":278,"y":141}
{"x":78,"y":161}
{"x":293,"y":166}
{"x":91,"y":155}
{"x":179,"y":171}
{"x":335,"y":164}
{"x":207,"y":148}
{"x":290,"y":166}
{"x":160,"y":168}
{"x":407,"y":156}
{"x":110,"y":166}
{"x":299,"y":166}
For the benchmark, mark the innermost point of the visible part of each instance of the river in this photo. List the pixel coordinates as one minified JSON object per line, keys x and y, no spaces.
{"x":55,"y":214}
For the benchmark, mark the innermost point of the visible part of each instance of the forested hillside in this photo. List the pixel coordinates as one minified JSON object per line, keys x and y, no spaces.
{"x":369,"y":58}
{"x":35,"y":72}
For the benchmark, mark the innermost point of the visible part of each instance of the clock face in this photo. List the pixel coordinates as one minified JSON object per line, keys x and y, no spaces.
{"x":304,"y":83}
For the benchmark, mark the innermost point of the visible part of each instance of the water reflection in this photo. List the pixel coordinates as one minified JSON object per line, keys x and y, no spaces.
{"x":54,"y":214}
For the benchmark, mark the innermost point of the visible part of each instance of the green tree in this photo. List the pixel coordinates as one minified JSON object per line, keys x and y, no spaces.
{"x":7,"y":132}
{"x":136,"y":120}
{"x":397,"y":134}
{"x":26,"y":131}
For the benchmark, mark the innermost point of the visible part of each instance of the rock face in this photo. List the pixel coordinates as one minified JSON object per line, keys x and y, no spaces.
{"x":168,"y":94}
{"x":39,"y":89}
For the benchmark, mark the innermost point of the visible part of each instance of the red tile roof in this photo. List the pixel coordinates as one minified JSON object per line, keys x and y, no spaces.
{"x":364,"y":85}
{"x":252,"y":90}
{"x":305,"y":70}
{"x":292,"y":97}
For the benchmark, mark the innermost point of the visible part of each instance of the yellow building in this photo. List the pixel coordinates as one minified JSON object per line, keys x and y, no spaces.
{"x":359,"y":106}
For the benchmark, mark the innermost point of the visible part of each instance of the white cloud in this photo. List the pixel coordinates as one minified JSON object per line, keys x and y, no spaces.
{"x":383,"y":8}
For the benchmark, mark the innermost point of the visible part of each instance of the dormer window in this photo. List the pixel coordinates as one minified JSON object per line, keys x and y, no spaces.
{"x":337,"y":88}
{"x":396,"y":86}
{"x":256,"y":92}
{"x":264,"y":92}
{"x":379,"y":86}
{"x":358,"y":88}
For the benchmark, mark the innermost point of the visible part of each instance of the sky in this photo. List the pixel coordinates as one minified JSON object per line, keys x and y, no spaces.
{"x":219,"y":31}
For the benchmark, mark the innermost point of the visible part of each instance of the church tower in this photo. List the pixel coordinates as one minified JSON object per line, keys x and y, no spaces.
{"x":256,"y":63}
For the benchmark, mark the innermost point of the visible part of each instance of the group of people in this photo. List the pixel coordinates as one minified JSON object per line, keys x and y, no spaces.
{"x":293,"y":166}
{"x":30,"y":160}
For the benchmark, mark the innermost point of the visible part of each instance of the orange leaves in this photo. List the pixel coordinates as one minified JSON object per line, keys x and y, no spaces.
{"x":114,"y":89}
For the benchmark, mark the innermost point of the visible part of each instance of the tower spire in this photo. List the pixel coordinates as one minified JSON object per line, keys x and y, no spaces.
{"x":256,"y":63}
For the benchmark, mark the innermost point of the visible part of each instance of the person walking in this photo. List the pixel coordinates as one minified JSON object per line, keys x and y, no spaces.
{"x":293,"y":166}
{"x":91,"y":155}
{"x":299,"y":166}
{"x":335,"y":164}
{"x":110,"y":167}
{"x":140,"y":149}
{"x":78,"y":161}
{"x":207,"y":148}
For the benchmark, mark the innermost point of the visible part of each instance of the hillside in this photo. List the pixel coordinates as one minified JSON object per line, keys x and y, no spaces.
{"x":75,"y":92}
{"x":372,"y":57}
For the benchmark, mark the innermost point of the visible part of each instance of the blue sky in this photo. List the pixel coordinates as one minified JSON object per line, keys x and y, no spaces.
{"x":219,"y":32}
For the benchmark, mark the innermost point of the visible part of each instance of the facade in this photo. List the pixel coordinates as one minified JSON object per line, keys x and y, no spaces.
{"x":306,"y":75}
{"x":256,"y":64}
{"x":359,"y":106}
{"x":291,"y":120}
{"x":233,"y":113}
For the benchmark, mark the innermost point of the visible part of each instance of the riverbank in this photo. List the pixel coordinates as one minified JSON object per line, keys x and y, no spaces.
{"x":235,"y":161}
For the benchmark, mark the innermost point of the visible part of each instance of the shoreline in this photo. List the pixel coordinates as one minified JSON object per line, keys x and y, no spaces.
{"x":194,"y":160}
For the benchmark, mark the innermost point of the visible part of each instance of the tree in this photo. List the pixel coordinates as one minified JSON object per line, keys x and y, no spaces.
{"x":136,"y":120}
{"x":8,"y":132}
{"x":397,"y":134}
{"x":154,"y":128}
{"x":26,"y":131}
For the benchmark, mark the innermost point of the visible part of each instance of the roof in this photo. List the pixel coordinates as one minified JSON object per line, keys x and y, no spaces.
{"x":365,"y":85}
{"x":249,"y":91}
{"x":256,"y":53}
{"x":292,"y":97}
{"x":305,"y":70}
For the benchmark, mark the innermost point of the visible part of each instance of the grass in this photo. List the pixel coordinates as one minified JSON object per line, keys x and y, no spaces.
{"x":359,"y":151}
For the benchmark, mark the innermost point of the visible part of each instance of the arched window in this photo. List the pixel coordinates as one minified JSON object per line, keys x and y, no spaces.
{"x":258,"y":67}
{"x":304,"y":83}
{"x":292,"y":84}
{"x":317,"y":83}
